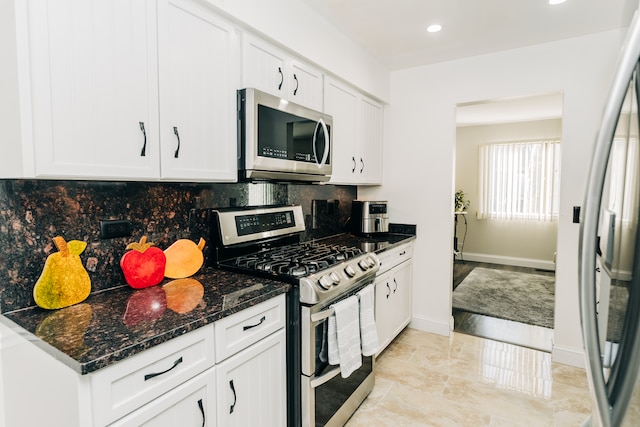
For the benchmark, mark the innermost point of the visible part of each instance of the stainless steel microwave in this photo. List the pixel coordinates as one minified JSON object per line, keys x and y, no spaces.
{"x":280,"y":140}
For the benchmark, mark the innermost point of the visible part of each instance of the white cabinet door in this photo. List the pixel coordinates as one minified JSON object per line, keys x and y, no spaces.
{"x":383,"y":293}
{"x":393,"y":302}
{"x":192,"y":404}
{"x":197,"y":88}
{"x":264,"y":67}
{"x":269,"y":69}
{"x":357,"y":135}
{"x":369,"y":148}
{"x":400,"y":309}
{"x":341,"y":103}
{"x":305,"y":86}
{"x":252,"y":385}
{"x":93,"y":82}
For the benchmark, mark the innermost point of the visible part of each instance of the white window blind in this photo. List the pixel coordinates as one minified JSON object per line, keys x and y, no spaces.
{"x":519,"y":181}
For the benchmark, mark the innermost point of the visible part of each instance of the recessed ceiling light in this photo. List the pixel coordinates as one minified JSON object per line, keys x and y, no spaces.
{"x":554,"y":2}
{"x":434,"y":28}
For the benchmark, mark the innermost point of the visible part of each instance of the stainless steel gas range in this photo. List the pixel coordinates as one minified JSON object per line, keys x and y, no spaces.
{"x":264,"y":241}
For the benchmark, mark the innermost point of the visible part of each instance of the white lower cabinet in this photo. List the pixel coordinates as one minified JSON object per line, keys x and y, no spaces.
{"x":393,"y":294}
{"x":181,"y":382}
{"x":251,"y":385}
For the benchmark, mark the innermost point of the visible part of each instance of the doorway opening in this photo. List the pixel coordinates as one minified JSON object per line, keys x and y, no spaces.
{"x":504,"y":246}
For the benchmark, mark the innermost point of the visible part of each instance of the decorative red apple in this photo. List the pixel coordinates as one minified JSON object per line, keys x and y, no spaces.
{"x":143,"y":264}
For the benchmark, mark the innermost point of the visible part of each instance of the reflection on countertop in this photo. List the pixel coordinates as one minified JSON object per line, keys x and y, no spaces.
{"x":112,"y":325}
{"x":373,"y":243}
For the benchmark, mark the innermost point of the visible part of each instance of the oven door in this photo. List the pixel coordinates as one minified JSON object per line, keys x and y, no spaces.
{"x":281,"y":140}
{"x":327,"y":398}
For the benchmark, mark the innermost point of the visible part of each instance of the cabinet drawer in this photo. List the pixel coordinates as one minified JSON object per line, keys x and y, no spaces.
{"x":395,"y":256}
{"x":240,"y":330}
{"x":121,"y":388}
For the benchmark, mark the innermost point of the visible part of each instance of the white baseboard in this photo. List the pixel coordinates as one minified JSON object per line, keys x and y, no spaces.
{"x":427,"y":324}
{"x":507,"y":260}
{"x":568,"y":356}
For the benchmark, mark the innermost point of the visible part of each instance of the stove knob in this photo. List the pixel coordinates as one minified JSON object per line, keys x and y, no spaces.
{"x":371,"y":262}
{"x":326,"y":282}
{"x":363,"y":264}
{"x":349,"y":271}
{"x":335,"y":277}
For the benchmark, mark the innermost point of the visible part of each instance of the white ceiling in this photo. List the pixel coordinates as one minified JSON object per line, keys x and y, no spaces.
{"x":522,"y":109}
{"x":394,"y":31}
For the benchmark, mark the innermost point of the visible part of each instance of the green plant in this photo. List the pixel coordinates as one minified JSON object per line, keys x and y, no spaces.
{"x":461,"y":201}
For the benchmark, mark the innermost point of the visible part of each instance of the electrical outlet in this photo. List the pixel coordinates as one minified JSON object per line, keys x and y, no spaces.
{"x":112,"y":228}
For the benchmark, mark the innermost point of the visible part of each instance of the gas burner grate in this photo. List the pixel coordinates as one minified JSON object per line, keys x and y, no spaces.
{"x":297,"y":260}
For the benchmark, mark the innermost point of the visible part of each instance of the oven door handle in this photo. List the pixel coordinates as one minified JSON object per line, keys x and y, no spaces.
{"x":325,"y":154}
{"x":316,"y":382}
{"x":321,"y":315}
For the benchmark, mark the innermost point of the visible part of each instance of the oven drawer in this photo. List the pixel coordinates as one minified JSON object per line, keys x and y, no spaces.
{"x":392,"y":257}
{"x":125,"y":386}
{"x":240,"y":330}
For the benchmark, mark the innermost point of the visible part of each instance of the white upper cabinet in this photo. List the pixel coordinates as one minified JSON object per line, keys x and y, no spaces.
{"x":357,"y":135}
{"x":269,"y":69}
{"x":197,"y":93}
{"x":141,"y":90}
{"x":93,"y":83}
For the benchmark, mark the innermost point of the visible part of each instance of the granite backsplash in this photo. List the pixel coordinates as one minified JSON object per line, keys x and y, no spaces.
{"x":32,"y":212}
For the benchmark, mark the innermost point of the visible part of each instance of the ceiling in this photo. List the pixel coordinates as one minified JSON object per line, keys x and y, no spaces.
{"x":394,"y":31}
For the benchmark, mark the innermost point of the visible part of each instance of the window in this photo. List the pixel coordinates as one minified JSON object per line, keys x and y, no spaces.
{"x":519,"y":181}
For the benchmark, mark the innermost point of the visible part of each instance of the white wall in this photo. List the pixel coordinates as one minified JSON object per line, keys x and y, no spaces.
{"x":420,"y":157}
{"x":500,"y":241}
{"x":295,"y":25}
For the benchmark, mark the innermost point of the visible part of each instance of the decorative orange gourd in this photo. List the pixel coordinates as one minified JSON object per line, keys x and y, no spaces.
{"x":63,"y":281}
{"x":184,"y":258}
{"x":183,"y":295}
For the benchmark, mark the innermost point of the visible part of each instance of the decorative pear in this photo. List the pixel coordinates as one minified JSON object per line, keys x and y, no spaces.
{"x":184,"y":258}
{"x":63,"y":281}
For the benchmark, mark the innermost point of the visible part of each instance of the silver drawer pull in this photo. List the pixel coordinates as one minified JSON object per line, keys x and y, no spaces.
{"x":149,"y":376}
{"x":262,"y":319}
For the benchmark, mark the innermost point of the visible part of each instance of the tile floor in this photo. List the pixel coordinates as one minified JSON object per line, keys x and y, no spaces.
{"x":424,"y":379}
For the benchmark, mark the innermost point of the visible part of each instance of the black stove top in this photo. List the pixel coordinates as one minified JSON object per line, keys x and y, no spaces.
{"x":258,"y":241}
{"x":297,"y":260}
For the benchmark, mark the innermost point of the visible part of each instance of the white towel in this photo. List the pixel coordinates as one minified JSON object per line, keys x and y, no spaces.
{"x":368,"y":330}
{"x":344,"y":336}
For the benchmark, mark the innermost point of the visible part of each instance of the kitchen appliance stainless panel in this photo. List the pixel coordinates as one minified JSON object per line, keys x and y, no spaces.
{"x":281,"y":140}
{"x":609,"y":271}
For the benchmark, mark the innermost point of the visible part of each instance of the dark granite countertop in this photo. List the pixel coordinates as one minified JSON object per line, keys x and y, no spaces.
{"x":112,"y":325}
{"x":374,"y":243}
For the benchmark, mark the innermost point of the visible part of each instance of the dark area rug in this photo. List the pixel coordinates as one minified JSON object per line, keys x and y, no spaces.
{"x":521,"y":297}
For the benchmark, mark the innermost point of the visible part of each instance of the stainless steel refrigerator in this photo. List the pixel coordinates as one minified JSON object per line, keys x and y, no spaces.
{"x":610,"y":251}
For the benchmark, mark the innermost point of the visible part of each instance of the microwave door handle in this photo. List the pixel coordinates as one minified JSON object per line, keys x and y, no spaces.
{"x":326,"y":140}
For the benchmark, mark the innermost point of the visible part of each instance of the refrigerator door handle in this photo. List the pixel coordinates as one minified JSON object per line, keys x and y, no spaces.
{"x":589,"y":228}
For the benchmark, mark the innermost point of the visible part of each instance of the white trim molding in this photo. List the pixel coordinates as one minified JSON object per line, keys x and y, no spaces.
{"x":432,"y":325}
{"x":507,"y":260}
